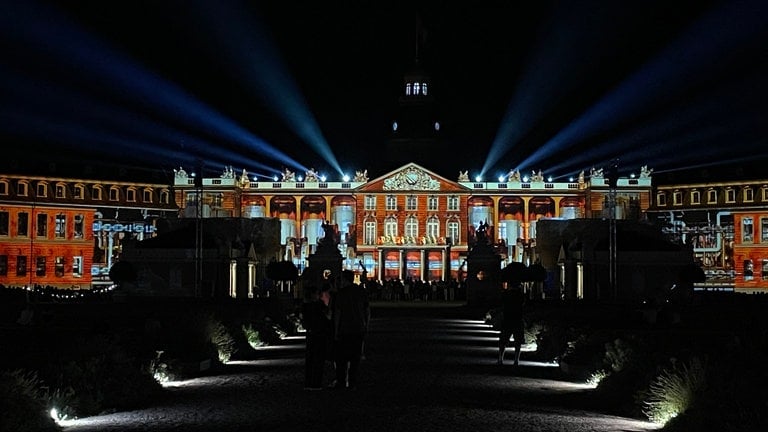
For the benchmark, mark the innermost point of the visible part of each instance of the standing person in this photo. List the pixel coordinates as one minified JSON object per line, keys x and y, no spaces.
{"x":351,"y":313}
{"x":316,"y":319}
{"x":512,"y":301}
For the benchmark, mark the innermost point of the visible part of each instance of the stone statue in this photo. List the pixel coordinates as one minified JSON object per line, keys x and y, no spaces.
{"x":596,"y":173}
{"x":180,"y":173}
{"x":228,"y":173}
{"x":581,"y":176}
{"x":288,"y":176}
{"x":645,"y":172}
{"x":537,"y":177}
{"x":513,"y":176}
{"x":244,"y":178}
{"x":361,"y":176}
{"x":329,"y":236}
{"x":311,"y":176}
{"x":463,"y":176}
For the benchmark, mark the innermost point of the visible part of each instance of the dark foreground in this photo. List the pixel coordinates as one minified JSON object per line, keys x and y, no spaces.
{"x":426,"y":369}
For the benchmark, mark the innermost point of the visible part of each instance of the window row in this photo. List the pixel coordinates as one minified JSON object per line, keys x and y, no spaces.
{"x":749,"y":269}
{"x":748,"y":234}
{"x":41,"y":228}
{"x":78,"y":191}
{"x":41,"y":267}
{"x":412,"y":202}
{"x":416,"y":89}
{"x":411,"y":229}
{"x":695,"y":196}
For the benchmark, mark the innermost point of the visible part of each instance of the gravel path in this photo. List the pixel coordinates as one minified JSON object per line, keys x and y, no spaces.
{"x":425,"y":370}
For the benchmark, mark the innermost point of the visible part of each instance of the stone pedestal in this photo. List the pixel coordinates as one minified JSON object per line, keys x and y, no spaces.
{"x":483,"y":276}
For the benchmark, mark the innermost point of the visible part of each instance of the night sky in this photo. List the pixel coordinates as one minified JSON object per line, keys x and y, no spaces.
{"x":560,"y":86}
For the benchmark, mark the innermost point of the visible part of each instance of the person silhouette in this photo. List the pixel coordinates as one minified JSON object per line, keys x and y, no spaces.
{"x":512,"y":324}
{"x":351,"y":314}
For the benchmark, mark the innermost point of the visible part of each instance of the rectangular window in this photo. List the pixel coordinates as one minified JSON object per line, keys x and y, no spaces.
{"x":40,"y":266}
{"x":749,"y":195}
{"x":23,"y":225}
{"x":96,"y":193}
{"x":370,"y":202}
{"x":147,"y":198}
{"x":749,"y":270}
{"x":3,"y":188}
{"x":453,"y":203}
{"x":747,"y":228}
{"x":78,"y":228}
{"x":661,"y":199}
{"x":412,"y":227}
{"x":677,"y":198}
{"x":21,"y":265}
{"x":5,"y":223}
{"x":764,"y":269}
{"x":370,"y":232}
{"x":432,"y":203}
{"x":61,"y":226}
{"x":77,"y":266}
{"x":21,"y":189}
{"x":764,"y":230}
{"x":130,"y":195}
{"x":114,"y":194}
{"x":42,"y":190}
{"x":391,"y":202}
{"x":410,"y":202}
{"x":59,"y":267}
{"x":42,"y":225}
{"x":433,"y":228}
{"x":730,"y":196}
{"x":79,"y":192}
{"x":3,"y":265}
{"x":711,"y":196}
{"x":390,"y":228}
{"x":61,"y":191}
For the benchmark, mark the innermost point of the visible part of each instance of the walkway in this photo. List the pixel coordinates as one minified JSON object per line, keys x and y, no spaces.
{"x":425,"y":370}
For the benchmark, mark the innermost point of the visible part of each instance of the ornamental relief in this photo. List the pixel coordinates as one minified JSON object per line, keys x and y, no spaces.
{"x":411,"y":179}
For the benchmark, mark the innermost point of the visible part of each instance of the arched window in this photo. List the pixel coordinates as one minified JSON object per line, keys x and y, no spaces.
{"x":390,"y":226}
{"x":452,"y":232}
{"x":370,"y":231}
{"x":433,"y":227}
{"x":424,"y":89}
{"x":416,"y":88}
{"x":408,"y":89}
{"x":412,"y":226}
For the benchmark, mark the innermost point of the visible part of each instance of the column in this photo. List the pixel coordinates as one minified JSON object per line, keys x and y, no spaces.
{"x":401,"y":258}
{"x":424,"y":270}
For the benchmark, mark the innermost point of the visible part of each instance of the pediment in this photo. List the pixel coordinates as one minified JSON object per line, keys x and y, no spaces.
{"x":412,"y":177}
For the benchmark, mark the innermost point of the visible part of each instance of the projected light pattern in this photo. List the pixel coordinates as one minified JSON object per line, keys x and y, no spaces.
{"x":707,"y":46}
{"x":257,"y":63}
{"x":70,"y":49}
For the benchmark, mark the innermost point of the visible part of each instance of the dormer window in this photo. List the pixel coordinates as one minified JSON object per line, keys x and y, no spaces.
{"x":424,"y":89}
{"x":42,"y":190}
{"x":416,"y":88}
{"x":408,"y":89}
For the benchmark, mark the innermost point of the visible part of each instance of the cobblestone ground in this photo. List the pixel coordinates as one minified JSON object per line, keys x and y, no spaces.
{"x":425,"y":370}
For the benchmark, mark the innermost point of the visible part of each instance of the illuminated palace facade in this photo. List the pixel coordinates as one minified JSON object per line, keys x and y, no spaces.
{"x":410,"y":222}
{"x":66,"y":233}
{"x":726,"y":225}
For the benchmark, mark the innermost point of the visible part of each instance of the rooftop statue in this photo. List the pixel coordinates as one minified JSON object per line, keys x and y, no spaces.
{"x":581,"y":176}
{"x":645,"y":172}
{"x":311,"y":176}
{"x":180,"y":173}
{"x":463,"y":176}
{"x":361,"y":176}
{"x":596,"y":173}
{"x":513,"y":176}
{"x":244,"y":178}
{"x":288,"y":176}
{"x":537,"y":177}
{"x":228,"y":173}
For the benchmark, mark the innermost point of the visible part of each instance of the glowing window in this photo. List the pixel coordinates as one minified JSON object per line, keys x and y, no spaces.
{"x":77,"y":266}
{"x":391,"y":202}
{"x":433,"y":227}
{"x":412,"y":226}
{"x":411,"y":202}
{"x":747,"y":229}
{"x":695,"y":197}
{"x":764,"y":269}
{"x":61,"y":226}
{"x":78,"y":226}
{"x":424,"y":89}
{"x":390,"y":227}
{"x":711,"y":196}
{"x":749,"y":270}
{"x":764,"y":230}
{"x":432,"y":203}
{"x":416,"y":88}
{"x":452,"y":232}
{"x":370,"y":232}
{"x":408,"y":89}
